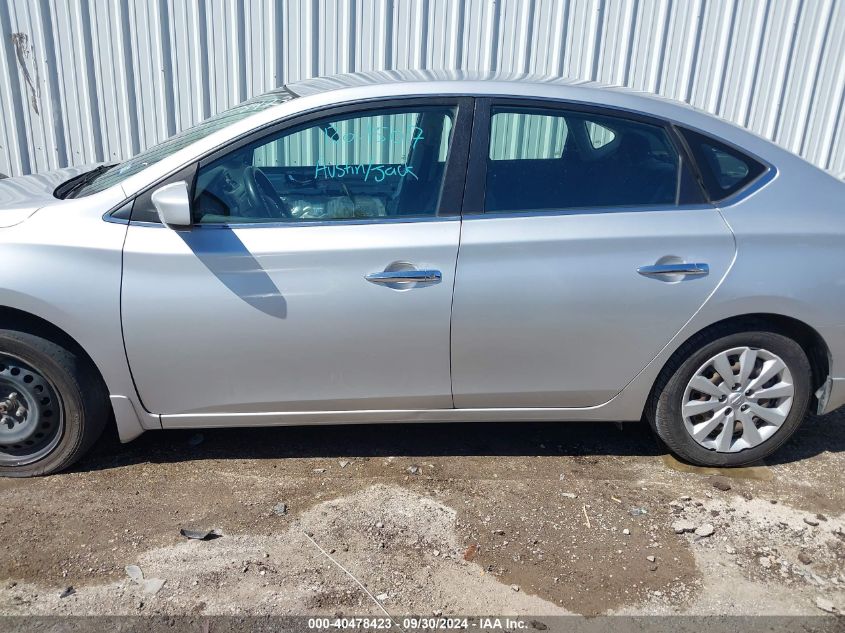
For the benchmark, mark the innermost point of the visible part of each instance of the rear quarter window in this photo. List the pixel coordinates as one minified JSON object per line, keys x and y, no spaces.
{"x":724,"y":169}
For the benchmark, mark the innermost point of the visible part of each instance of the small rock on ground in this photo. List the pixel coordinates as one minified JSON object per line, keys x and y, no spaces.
{"x":134,"y":572}
{"x":705,"y":529}
{"x":152,"y":586}
{"x":720,"y":483}
{"x":825,"y":605}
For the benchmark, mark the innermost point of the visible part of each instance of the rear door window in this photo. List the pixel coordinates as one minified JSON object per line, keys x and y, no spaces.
{"x":724,"y":169}
{"x":550,"y":159}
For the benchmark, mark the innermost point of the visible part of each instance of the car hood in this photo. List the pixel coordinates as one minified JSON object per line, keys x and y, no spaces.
{"x":22,"y":196}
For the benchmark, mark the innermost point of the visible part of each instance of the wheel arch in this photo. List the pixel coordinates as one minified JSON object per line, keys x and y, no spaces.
{"x":15,"y":319}
{"x":123,"y":414}
{"x":813,"y":344}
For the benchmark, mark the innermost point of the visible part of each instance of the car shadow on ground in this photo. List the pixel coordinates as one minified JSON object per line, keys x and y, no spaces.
{"x":817,"y":435}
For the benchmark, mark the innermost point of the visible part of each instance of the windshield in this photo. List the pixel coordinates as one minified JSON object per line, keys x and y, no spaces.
{"x":105,"y":178}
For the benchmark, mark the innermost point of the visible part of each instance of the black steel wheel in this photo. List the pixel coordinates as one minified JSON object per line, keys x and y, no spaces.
{"x":53,"y":405}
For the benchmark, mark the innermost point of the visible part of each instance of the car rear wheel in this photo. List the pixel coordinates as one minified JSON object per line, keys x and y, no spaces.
{"x":730,"y":399}
{"x":53,"y":405}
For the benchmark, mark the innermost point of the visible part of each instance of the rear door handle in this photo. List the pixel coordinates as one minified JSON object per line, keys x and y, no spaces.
{"x":681,"y":268}
{"x":404,"y":276}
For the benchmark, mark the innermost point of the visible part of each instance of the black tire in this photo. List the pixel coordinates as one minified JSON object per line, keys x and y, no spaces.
{"x":664,"y":409}
{"x":82,"y":402}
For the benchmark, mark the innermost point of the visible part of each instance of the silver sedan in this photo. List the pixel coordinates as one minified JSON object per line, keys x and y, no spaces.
{"x":426,"y":247}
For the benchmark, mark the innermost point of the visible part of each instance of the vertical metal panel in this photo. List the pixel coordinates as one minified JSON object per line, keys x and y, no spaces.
{"x":88,"y":80}
{"x":117,"y":118}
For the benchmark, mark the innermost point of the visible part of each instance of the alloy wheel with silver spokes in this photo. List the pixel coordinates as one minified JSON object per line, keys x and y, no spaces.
{"x":31,"y":414}
{"x":738,"y":399}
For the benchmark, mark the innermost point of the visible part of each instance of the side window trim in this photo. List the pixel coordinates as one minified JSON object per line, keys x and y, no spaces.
{"x":476,"y":174}
{"x":691,"y":189}
{"x":455,"y":169}
{"x":690,"y":193}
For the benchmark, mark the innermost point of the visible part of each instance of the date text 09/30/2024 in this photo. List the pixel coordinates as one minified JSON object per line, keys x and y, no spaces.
{"x":410,"y":623}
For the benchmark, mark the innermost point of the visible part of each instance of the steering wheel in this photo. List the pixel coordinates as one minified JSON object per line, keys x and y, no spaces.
{"x":262,"y":195}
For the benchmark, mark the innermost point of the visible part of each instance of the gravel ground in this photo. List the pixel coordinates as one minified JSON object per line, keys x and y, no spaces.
{"x":521,"y":519}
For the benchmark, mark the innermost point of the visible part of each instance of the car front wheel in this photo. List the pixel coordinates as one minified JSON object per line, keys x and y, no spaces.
{"x":730,"y":399}
{"x":53,"y":405}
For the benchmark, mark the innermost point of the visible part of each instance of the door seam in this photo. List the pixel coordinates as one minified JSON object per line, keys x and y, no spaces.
{"x":452,"y":307}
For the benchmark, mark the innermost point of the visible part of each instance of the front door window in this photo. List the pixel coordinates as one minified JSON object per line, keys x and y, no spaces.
{"x":380,"y":164}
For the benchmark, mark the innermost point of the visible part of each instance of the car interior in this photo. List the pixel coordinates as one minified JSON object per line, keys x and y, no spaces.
{"x":268,"y":181}
{"x":632,"y":164}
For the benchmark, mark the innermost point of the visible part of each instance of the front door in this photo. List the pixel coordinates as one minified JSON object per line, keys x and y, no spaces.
{"x":588,"y":254}
{"x":317,"y":276}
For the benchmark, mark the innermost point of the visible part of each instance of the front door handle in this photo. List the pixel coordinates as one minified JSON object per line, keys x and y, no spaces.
{"x":404,"y":276}
{"x":681,"y":268}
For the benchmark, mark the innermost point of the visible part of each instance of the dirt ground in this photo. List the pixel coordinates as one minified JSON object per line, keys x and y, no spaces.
{"x":521,"y":519}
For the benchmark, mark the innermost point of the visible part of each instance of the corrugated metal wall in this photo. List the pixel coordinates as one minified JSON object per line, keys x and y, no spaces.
{"x":92,"y":80}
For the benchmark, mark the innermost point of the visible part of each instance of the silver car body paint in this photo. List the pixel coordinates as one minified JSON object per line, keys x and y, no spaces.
{"x":21,"y":197}
{"x":566,"y":321}
{"x":67,"y":268}
{"x":281,"y":318}
{"x":565,"y":308}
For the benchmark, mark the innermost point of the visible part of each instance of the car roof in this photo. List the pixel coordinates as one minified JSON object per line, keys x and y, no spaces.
{"x":469,"y":82}
{"x":473,"y":78}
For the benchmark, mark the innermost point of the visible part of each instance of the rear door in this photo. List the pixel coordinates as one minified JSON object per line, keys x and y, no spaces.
{"x":317,"y":275}
{"x":585,"y":247}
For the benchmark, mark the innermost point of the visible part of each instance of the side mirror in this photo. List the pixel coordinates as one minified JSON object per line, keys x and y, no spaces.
{"x":173,"y":205}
